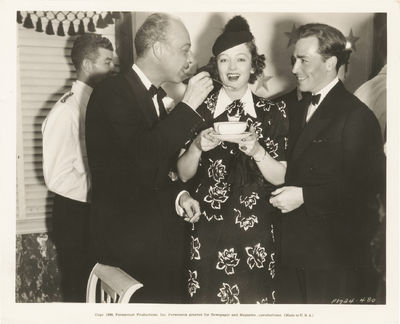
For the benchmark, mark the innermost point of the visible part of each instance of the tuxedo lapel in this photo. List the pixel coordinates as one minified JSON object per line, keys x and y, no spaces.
{"x":296,"y":110}
{"x":319,"y":121}
{"x":144,"y":102}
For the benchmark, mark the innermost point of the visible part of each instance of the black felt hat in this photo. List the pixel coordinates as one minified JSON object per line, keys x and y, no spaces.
{"x":236,"y":31}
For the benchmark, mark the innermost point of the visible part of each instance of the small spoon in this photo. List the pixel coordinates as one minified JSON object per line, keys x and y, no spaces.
{"x":224,"y":85}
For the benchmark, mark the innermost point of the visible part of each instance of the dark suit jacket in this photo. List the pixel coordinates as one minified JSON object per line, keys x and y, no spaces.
{"x":338,"y":160}
{"x":134,"y":225}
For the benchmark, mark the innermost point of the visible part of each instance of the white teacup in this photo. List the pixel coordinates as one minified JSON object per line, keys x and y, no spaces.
{"x":229,"y":128}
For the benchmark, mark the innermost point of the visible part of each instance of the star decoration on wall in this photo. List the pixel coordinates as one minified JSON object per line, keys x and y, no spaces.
{"x":262,"y":82}
{"x":352,"y":39}
{"x":292,"y":35}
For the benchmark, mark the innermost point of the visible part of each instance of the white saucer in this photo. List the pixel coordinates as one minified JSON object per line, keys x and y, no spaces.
{"x":231,"y":137}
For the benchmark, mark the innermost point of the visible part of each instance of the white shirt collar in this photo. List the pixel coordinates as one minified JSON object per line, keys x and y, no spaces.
{"x":145,"y":80}
{"x":325,"y":90}
{"x":224,"y":100}
{"x":82,"y":91}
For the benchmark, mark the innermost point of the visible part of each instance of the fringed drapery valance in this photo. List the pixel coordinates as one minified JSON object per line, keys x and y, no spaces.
{"x":77,"y":22}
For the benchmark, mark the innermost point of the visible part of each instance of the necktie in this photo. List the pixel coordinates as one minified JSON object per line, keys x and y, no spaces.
{"x":160,"y":95}
{"x":235,"y":109}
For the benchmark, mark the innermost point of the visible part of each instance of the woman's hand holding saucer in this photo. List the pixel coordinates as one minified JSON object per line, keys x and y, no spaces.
{"x":249,"y":145}
{"x":205,"y":141}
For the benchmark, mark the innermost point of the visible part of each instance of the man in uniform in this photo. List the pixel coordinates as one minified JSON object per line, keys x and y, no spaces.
{"x":65,"y":167}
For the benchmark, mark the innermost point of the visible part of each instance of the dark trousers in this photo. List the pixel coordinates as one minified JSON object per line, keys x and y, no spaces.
{"x":167,"y":286}
{"x":339,"y":285}
{"x":71,"y":235}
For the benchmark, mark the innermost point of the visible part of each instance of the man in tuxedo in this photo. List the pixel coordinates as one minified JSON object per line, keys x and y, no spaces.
{"x":131,"y":146}
{"x":335,"y":171}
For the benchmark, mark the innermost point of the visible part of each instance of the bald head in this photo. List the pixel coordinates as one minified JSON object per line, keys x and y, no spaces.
{"x":154,"y":29}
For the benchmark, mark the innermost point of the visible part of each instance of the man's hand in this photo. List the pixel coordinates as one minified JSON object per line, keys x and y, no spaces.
{"x":287,"y":198}
{"x":197,"y":90}
{"x":205,"y":141}
{"x":191,"y":208}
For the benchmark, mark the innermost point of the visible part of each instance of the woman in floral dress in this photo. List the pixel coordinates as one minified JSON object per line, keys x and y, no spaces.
{"x":232,"y":252}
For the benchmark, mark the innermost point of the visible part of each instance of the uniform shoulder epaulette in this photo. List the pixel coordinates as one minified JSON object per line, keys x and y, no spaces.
{"x":66,"y":96}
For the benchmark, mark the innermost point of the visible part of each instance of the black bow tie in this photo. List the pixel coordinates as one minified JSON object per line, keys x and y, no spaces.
{"x":157,"y":91}
{"x":160,"y":94}
{"x":315,"y":99}
{"x":309,"y":98}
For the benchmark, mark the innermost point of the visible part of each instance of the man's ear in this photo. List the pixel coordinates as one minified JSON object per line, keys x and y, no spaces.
{"x":331,"y":63}
{"x":158,"y":50}
{"x":87,"y":66}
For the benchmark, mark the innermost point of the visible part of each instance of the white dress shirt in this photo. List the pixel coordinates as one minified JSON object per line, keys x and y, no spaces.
{"x":167,"y":101}
{"x":323,"y":92}
{"x":65,"y":166}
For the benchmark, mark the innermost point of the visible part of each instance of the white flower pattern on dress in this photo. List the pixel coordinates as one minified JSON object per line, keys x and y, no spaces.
{"x":286,"y":142}
{"x":218,"y":198}
{"x":263,"y":301}
{"x":257,"y":126}
{"x":271,"y":266}
{"x":217,"y":217}
{"x":249,"y":201}
{"x":195,"y":248}
{"x":256,"y":255}
{"x":217,"y":195}
{"x":265,"y":104}
{"x":227,"y":261}
{"x":228,"y":294}
{"x":282,"y":107}
{"x":193,"y":284}
{"x":244,"y":222}
{"x":217,"y":170}
{"x":272,"y":233}
{"x":211,"y":102}
{"x":272,"y":147}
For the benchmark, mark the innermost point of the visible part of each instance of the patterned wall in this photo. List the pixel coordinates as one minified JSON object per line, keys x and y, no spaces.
{"x":37,"y":274}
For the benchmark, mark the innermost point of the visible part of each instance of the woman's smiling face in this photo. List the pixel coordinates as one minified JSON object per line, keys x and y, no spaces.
{"x":234,"y":68}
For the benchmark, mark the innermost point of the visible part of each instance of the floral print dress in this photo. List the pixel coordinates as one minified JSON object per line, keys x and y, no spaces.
{"x":232,"y":253}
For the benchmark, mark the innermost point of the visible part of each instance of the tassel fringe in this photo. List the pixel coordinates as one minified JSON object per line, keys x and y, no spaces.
{"x":49,"y":28}
{"x":39,"y":27}
{"x":28,"y":21}
{"x":35,"y":20}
